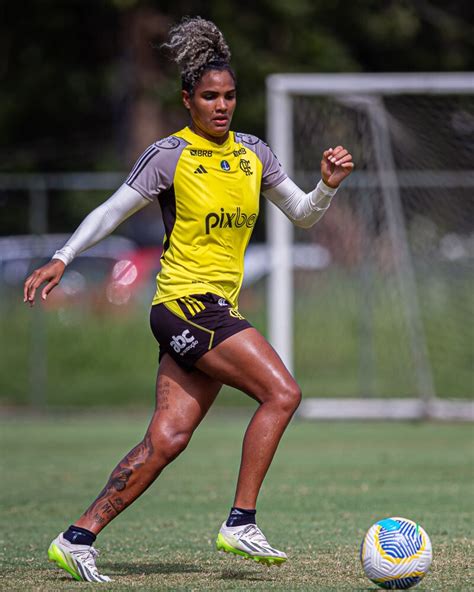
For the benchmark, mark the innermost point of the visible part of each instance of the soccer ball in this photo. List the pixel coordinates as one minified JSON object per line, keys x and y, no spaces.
{"x":396,"y":553}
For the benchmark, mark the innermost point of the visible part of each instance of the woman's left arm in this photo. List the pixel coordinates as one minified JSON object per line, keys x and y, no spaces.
{"x":305,"y":209}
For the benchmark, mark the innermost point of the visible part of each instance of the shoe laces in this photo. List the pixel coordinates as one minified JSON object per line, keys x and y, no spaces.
{"x":88,"y":556}
{"x":94,"y":552}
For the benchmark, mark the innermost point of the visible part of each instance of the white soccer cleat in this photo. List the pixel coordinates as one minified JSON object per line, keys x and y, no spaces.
{"x":249,"y":542}
{"x":77,"y":560}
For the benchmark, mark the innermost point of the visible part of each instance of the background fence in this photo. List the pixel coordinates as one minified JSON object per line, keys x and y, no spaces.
{"x":388,"y":315}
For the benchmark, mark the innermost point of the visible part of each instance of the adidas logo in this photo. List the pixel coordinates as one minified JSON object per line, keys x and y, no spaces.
{"x":200,"y":170}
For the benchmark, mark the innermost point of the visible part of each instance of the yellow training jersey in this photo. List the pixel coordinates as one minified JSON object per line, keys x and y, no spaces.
{"x":209,"y":197}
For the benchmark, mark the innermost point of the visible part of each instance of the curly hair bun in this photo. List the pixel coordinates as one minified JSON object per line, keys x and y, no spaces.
{"x":194,"y":44}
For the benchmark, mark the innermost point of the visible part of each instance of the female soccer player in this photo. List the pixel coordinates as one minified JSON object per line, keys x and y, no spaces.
{"x":208,"y":181}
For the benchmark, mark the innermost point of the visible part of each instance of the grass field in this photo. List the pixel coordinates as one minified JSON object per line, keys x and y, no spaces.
{"x":329,"y":482}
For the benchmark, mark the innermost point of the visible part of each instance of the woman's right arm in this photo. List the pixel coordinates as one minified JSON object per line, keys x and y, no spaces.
{"x":96,"y":226}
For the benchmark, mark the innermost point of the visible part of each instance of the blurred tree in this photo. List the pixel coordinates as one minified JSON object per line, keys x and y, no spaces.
{"x":56,"y":104}
{"x":84,"y":87}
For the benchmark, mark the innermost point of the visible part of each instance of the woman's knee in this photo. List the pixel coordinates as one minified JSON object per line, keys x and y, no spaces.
{"x":169,"y":444}
{"x":287,"y":397}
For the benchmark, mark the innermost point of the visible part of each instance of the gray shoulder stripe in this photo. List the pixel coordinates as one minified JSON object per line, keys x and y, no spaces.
{"x":139,"y":161}
{"x":143,"y":162}
{"x":155,"y":170}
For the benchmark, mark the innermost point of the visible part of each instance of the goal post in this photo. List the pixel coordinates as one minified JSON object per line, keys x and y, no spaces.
{"x":280,"y":232}
{"x":379,"y":117}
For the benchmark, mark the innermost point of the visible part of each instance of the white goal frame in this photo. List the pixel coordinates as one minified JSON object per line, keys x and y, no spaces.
{"x":365,"y":89}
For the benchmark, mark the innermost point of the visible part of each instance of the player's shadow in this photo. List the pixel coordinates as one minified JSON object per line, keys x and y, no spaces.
{"x":248,"y":575}
{"x":142,"y":568}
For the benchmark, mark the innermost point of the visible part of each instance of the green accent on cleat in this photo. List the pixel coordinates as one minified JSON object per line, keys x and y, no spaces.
{"x":223,"y":545}
{"x":57,"y":556}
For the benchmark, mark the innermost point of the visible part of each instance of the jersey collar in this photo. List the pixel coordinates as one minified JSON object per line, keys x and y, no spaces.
{"x":188,"y":134}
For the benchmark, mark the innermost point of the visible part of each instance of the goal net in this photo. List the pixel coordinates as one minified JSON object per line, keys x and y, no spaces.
{"x":383,"y":325}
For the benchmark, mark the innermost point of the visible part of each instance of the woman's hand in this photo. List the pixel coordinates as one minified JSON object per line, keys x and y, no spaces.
{"x":336,"y":165}
{"x":52,"y":273}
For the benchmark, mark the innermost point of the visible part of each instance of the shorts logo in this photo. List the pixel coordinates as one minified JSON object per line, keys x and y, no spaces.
{"x":185,"y":342}
{"x":245,"y":166}
{"x":225,"y":166}
{"x":198,"y":152}
{"x":222,"y":302}
{"x":225,"y":219}
{"x":236,"y":314}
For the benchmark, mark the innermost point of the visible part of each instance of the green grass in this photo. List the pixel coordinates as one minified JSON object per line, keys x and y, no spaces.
{"x":350,"y":340}
{"x":329,"y":482}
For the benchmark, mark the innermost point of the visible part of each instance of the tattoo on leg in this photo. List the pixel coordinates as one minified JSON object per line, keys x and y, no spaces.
{"x":107,"y":508}
{"x":120,"y":481}
{"x":108,"y":504}
{"x":117,"y":504}
{"x":98,"y":519}
{"x":162,"y":394}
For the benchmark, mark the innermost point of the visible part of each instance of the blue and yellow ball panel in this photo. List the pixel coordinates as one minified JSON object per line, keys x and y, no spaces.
{"x":399,"y":539}
{"x":399,"y":583}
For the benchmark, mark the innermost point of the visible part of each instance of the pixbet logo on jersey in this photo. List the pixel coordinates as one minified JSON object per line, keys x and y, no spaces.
{"x":185,"y":342}
{"x":225,"y":219}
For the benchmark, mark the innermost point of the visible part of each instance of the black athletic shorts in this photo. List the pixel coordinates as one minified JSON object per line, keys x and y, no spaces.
{"x":188,"y":327}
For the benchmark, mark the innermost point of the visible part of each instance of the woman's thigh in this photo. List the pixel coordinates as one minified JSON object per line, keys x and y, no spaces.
{"x":248,"y":362}
{"x":182,"y":397}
